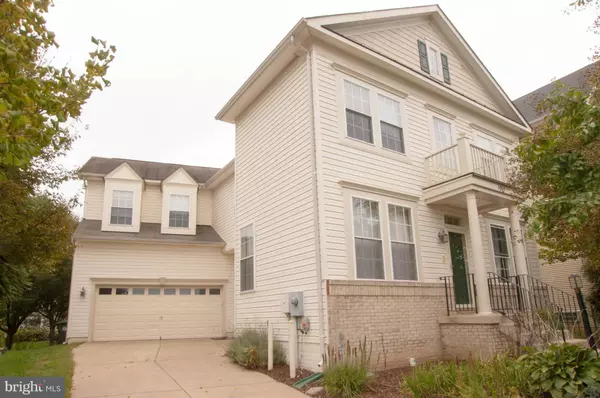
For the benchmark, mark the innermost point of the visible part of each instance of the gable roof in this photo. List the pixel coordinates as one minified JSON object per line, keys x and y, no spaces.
{"x":146,"y":170}
{"x":323,"y":27}
{"x":527,"y":103}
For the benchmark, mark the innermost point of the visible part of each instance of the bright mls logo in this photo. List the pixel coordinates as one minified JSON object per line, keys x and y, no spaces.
{"x":39,"y":387}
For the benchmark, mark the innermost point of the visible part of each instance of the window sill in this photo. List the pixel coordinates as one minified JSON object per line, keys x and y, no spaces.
{"x":248,"y":291}
{"x":372,"y":149}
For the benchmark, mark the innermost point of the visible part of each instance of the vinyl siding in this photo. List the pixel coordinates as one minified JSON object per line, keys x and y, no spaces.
{"x":344,"y":162}
{"x":274,"y":190}
{"x":400,"y":44}
{"x":151,"y":203}
{"x":557,"y":275}
{"x":223,"y":211}
{"x":204,"y":214}
{"x":94,"y":200}
{"x":138,"y":260}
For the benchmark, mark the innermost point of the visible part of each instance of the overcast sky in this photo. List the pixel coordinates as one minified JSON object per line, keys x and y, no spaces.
{"x":179,"y":61}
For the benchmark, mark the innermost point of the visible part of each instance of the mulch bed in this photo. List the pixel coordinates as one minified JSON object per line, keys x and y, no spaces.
{"x":383,"y":385}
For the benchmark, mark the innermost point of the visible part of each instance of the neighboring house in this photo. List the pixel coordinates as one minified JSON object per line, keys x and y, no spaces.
{"x":369,"y":169}
{"x":555,"y":274}
{"x":152,"y":230}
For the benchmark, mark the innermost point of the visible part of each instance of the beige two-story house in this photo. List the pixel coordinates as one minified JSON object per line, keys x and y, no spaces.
{"x":154,"y":252}
{"x":369,"y":176}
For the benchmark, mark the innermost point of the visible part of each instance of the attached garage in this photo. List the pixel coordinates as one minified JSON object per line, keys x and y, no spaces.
{"x":157,"y":312}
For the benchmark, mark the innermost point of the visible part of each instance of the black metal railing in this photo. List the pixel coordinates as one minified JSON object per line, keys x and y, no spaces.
{"x":461,"y":293}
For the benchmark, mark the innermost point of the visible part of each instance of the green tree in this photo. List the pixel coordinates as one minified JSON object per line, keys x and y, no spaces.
{"x":13,"y":313}
{"x":36,"y":98}
{"x":52,"y":295}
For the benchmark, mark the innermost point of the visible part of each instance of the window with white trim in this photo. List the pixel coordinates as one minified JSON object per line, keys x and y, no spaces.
{"x":121,"y":210}
{"x":488,"y":143}
{"x":435,"y":61}
{"x":247,"y":258}
{"x":368,"y":244}
{"x":501,"y":251}
{"x":404,"y":257}
{"x":179,"y":211}
{"x":358,"y":112}
{"x":392,"y":135}
{"x":442,"y":133}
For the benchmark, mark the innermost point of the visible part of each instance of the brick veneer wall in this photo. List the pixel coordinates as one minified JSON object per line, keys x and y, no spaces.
{"x":404,"y":315}
{"x":482,"y":337}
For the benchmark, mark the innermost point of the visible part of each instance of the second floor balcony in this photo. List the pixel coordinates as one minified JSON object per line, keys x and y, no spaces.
{"x":465,"y":167}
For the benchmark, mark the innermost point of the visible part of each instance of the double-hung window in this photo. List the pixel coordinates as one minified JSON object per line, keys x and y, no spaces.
{"x":358,"y":112}
{"x":121,"y":210}
{"x":390,"y":120}
{"x":501,"y":253}
{"x":404,"y":258}
{"x":367,"y":239}
{"x":247,"y":258}
{"x":179,"y":211}
{"x":433,"y":61}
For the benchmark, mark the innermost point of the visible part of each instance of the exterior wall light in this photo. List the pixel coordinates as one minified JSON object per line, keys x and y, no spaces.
{"x":82,"y":292}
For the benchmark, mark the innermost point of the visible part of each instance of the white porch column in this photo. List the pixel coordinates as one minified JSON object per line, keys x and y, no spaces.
{"x":483,"y":294}
{"x":517,"y":240}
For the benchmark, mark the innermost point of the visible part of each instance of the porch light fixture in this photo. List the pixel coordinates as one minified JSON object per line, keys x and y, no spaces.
{"x":82,"y":292}
{"x":575,"y":281}
{"x":443,"y":236}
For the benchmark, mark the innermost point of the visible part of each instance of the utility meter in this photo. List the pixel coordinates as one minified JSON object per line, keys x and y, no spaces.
{"x":293,"y":304}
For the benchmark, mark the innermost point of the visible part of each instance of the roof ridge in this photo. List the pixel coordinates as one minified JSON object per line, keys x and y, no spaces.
{"x":152,"y":161}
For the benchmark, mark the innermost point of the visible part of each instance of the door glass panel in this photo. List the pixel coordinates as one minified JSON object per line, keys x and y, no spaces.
{"x":459,"y":268}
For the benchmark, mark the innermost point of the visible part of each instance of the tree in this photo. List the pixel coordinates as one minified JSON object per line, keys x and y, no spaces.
{"x":52,"y":295}
{"x":14,"y":312}
{"x":36,"y":98}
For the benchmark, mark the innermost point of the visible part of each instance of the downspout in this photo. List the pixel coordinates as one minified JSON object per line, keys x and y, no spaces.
{"x":309,"y":78}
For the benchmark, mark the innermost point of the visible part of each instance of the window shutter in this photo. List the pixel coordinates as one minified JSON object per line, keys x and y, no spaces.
{"x":423,"y":56}
{"x":445,"y":68}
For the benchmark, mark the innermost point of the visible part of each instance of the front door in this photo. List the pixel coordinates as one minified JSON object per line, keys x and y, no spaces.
{"x":459,"y":268}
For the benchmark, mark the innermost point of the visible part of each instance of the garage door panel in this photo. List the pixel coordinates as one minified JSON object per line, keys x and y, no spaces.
{"x":143,"y":317}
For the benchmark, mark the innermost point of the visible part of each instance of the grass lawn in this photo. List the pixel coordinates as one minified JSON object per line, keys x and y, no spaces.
{"x":39,"y":359}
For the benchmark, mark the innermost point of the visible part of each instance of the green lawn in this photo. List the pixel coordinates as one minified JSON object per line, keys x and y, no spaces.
{"x":39,"y":359}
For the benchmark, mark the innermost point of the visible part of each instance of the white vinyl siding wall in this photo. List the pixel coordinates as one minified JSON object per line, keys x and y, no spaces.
{"x":204,"y":213}
{"x":223,"y":211}
{"x":274,"y":190}
{"x":138,"y":260}
{"x":400,"y":44}
{"x":94,"y":200}
{"x":151,"y":203}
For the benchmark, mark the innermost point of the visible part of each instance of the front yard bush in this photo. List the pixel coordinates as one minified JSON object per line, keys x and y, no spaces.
{"x":249,"y":349}
{"x":29,"y":334}
{"x":346,"y":373}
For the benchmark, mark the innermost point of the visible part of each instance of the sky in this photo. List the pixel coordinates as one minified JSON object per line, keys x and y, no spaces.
{"x":179,"y":61}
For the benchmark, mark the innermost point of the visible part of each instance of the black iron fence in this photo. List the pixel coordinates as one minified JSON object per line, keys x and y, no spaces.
{"x":461,"y":293}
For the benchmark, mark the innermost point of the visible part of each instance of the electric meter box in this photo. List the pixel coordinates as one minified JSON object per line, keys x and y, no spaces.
{"x":292,"y":303}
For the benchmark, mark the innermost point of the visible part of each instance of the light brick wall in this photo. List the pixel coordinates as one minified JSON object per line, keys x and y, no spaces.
{"x":404,"y":315}
{"x":482,"y":340}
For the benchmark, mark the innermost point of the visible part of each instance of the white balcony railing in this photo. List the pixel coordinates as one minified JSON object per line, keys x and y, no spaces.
{"x":464,"y":158}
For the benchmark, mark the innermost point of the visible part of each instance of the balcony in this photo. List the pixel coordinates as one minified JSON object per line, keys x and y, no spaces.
{"x":462,"y":168}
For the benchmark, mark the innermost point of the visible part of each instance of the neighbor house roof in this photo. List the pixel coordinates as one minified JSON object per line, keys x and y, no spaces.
{"x":527,"y":104}
{"x":146,"y":170}
{"x":323,"y":28}
{"x":149,"y":232}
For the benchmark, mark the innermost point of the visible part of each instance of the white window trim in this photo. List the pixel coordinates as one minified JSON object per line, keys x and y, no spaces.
{"x":112,"y":195}
{"x":188,"y":210}
{"x":414,"y":242}
{"x":376,"y":147}
{"x":432,"y":46}
{"x":253,"y":255}
{"x":506,"y":227}
{"x":493,"y":138}
{"x":445,"y":118}
{"x":382,"y":239}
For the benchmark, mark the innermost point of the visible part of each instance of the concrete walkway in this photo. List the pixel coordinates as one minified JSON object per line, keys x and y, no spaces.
{"x":167,"y":369}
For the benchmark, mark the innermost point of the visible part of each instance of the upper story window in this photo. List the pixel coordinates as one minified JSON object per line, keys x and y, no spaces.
{"x":368,"y":244}
{"x":179,"y":211}
{"x":358,"y":111}
{"x":391,"y":124}
{"x":490,"y":144}
{"x":433,"y":61}
{"x":121,"y":210}
{"x":247,"y":258}
{"x":404,"y":257}
{"x":442,"y":133}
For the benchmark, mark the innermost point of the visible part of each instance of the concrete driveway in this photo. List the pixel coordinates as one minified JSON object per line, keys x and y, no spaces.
{"x":167,"y":369}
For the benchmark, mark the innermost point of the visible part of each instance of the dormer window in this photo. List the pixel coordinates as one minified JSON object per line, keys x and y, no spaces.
{"x":179,"y":211}
{"x":121,"y":210}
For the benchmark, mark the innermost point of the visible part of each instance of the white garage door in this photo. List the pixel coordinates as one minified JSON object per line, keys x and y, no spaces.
{"x":145,"y":313}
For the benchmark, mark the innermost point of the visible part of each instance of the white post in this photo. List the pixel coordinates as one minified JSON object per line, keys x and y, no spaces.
{"x":518,"y":244}
{"x":483,"y":294}
{"x":269,"y":345}
{"x":465,"y":161}
{"x":293,"y":345}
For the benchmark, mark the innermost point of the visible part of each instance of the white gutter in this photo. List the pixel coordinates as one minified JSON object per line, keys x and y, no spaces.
{"x":309,"y":78}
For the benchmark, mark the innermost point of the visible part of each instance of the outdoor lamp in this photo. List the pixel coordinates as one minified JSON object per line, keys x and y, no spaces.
{"x":575,"y":281}
{"x":82,"y":292}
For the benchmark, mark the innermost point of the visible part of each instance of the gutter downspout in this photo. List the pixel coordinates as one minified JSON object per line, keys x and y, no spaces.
{"x":309,"y":78}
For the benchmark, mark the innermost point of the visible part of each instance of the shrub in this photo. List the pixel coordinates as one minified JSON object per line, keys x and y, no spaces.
{"x":31,"y":334}
{"x":561,"y":370}
{"x":346,"y":373}
{"x":249,"y":349}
